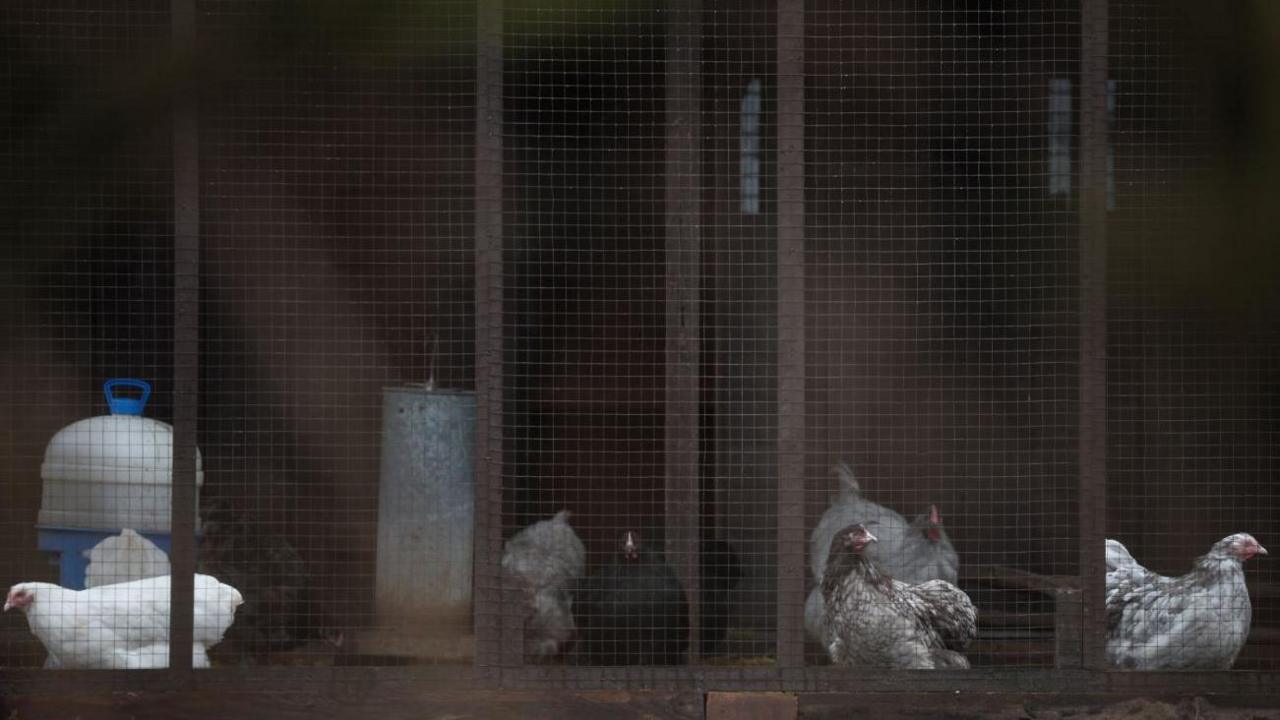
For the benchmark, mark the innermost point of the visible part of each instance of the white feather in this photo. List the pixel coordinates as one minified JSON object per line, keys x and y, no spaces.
{"x":124,"y":557}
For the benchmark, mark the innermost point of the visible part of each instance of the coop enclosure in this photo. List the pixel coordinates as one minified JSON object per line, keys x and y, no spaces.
{"x":412,"y":275}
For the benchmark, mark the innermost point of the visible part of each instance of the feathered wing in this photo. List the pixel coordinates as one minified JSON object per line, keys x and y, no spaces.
{"x":815,"y":616}
{"x":134,"y":614}
{"x":1137,"y":611}
{"x":872,"y":619}
{"x":948,"y":610}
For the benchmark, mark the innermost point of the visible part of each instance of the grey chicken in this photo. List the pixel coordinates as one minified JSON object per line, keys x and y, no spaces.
{"x":912,"y":552}
{"x":546,"y":559}
{"x":1197,"y":621}
{"x":875,"y":620}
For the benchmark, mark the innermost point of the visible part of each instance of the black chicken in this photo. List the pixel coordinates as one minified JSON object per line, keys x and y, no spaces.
{"x":721,"y":571}
{"x":281,"y":608}
{"x":632,"y":611}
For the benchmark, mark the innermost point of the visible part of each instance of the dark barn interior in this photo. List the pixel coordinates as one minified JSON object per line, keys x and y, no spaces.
{"x":1046,"y":309}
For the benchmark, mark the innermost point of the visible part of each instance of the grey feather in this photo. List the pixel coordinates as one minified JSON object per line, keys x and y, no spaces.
{"x":546,"y":559}
{"x":815,"y":616}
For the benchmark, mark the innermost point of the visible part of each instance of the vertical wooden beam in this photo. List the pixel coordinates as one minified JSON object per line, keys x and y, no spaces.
{"x":186,"y":341}
{"x":490,"y":621}
{"x":791,"y":333}
{"x":1093,"y":328}
{"x":683,"y":268}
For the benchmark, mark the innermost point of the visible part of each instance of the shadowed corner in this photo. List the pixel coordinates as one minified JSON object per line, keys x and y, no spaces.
{"x":1221,"y":255}
{"x":8,"y":705}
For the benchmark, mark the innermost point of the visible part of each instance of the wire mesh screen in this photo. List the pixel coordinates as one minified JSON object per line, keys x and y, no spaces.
{"x":739,"y":333}
{"x":584,"y":317}
{"x":766,"y":284}
{"x":640,"y":338}
{"x":336,"y":329}
{"x":1193,"y":338}
{"x":86,"y":221}
{"x":942,"y":318}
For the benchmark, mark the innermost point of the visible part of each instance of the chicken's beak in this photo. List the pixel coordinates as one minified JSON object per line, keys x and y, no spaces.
{"x":8,"y":604}
{"x":1262,"y":550}
{"x":871,"y":538}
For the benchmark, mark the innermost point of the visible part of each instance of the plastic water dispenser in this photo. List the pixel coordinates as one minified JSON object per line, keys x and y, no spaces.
{"x":106,"y":473}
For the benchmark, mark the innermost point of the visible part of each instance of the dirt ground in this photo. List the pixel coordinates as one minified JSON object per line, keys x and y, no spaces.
{"x":1144,"y":709}
{"x":1050,"y":708}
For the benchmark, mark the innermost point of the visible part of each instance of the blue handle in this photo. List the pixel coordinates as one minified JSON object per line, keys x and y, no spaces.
{"x":125,"y":405}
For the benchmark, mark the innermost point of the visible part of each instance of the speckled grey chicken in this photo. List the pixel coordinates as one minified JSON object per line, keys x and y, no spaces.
{"x":282,"y":609}
{"x":874,"y":620}
{"x":1197,"y":621}
{"x":912,"y":552}
{"x":546,"y":559}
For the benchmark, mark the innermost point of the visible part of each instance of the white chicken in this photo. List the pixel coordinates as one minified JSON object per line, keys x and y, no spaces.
{"x":1197,"y":621}
{"x":124,"y":557}
{"x":124,"y":626}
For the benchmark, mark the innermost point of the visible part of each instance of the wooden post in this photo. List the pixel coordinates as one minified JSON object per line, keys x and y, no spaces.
{"x":1093,"y":329}
{"x":683,"y":268}
{"x":186,"y":343}
{"x":488,"y":592}
{"x":791,"y":333}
